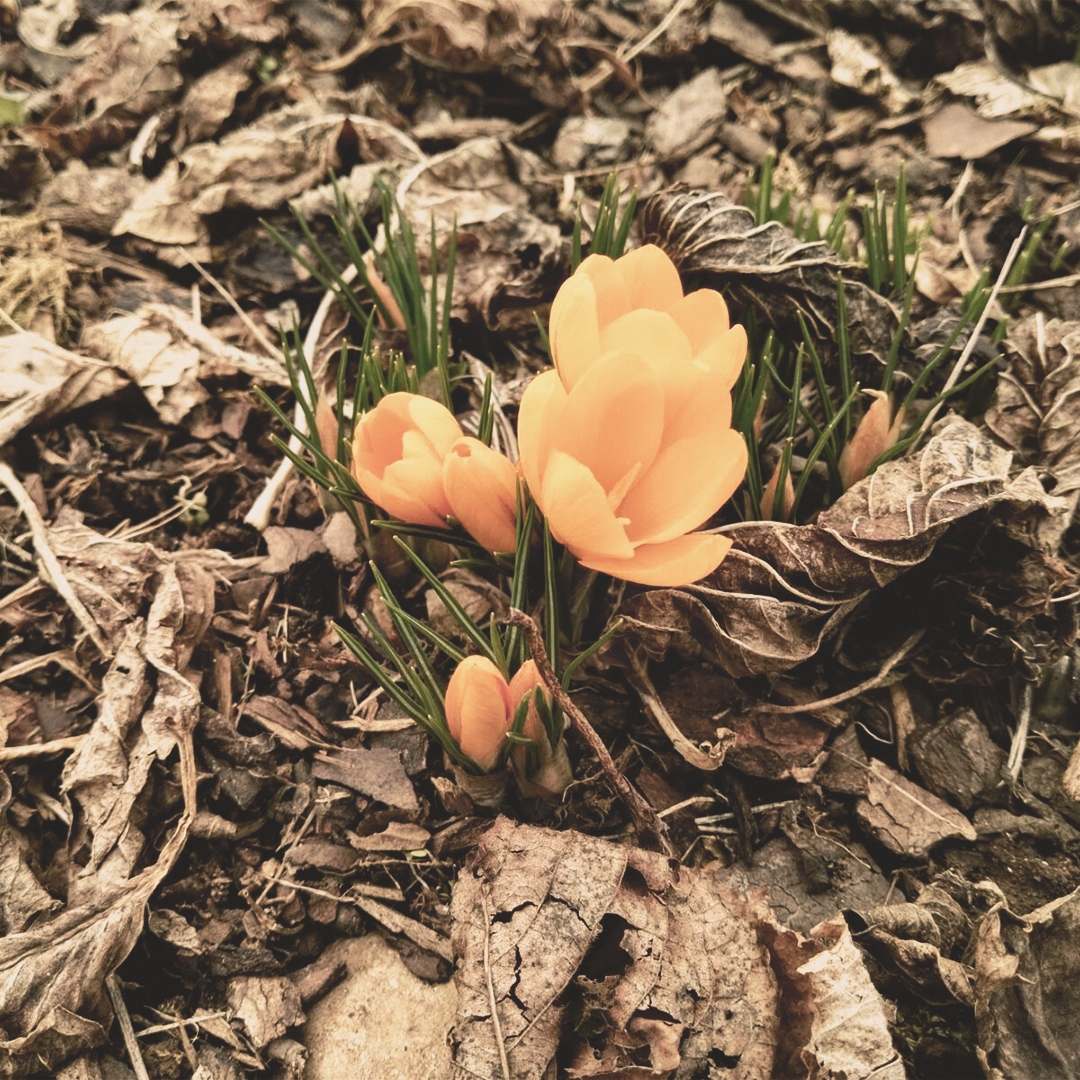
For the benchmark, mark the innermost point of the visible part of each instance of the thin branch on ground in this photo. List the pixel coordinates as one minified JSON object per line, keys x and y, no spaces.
{"x":48,"y":564}
{"x":646,"y":821}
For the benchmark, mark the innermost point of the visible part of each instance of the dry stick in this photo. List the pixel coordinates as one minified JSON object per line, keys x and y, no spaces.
{"x":708,"y":761}
{"x":644,"y":816}
{"x":48,"y":564}
{"x":259,"y":514}
{"x":35,"y":750}
{"x":1020,"y":736}
{"x":492,"y":1002}
{"x":847,"y":695}
{"x":973,"y":338}
{"x":112,"y":984}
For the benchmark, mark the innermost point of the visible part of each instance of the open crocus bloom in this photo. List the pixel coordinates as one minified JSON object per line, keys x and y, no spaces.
{"x":878,"y":430}
{"x":627,"y":445}
{"x":398,"y":452}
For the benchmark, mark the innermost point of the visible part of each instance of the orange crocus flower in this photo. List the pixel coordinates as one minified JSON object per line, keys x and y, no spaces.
{"x":411,"y":457}
{"x":481,"y":485}
{"x":552,"y":774}
{"x":627,"y":445}
{"x":878,"y":430}
{"x":478,"y":710}
{"x":398,"y":453}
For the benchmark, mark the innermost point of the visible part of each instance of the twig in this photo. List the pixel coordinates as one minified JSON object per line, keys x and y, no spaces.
{"x":847,"y":695}
{"x":34,"y":750}
{"x":1020,"y":736}
{"x":259,"y":514}
{"x":646,"y":821}
{"x":48,"y":564}
{"x":112,"y":985}
{"x":708,"y":760}
{"x":973,"y":338}
{"x":499,"y":1042}
{"x":242,"y":315}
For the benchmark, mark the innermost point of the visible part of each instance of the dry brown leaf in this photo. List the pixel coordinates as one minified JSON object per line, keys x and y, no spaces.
{"x":258,"y":167}
{"x":267,"y":1006}
{"x":52,"y":998}
{"x":1036,"y":411}
{"x":834,"y":1021}
{"x":132,"y":73}
{"x":39,"y":381}
{"x":914,"y":940}
{"x":23,"y":898}
{"x":957,"y":131}
{"x":166,"y":352}
{"x":689,"y":117}
{"x":904,"y":817}
{"x":809,"y":884}
{"x":691,"y":981}
{"x":765,"y":267}
{"x":1027,"y":982}
{"x":784,"y":590}
{"x":378,"y":773}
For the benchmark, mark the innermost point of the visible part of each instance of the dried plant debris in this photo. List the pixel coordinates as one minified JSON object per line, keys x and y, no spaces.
{"x":1026,"y":991}
{"x":786,"y":590}
{"x":653,"y":968}
{"x":765,"y":267}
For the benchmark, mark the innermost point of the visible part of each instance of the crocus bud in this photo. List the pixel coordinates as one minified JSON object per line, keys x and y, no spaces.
{"x":552,"y":774}
{"x":768,"y":497}
{"x":398,"y":453}
{"x":481,"y":485}
{"x":478,"y":710}
{"x":382,"y":291}
{"x":877,"y":431}
{"x":326,"y":427}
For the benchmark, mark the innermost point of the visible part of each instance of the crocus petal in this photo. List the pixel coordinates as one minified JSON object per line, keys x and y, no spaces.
{"x":539,"y":419}
{"x":481,"y":487}
{"x":478,"y":709}
{"x":526,"y":680}
{"x":877,"y":431}
{"x":703,"y":317}
{"x":669,"y":565}
{"x":689,"y":481}
{"x":411,"y":491}
{"x":651,"y":278}
{"x":435,"y":421}
{"x":326,"y":426}
{"x":614,"y":418}
{"x":573,"y":331}
{"x":577,"y":510}
{"x":648,"y":333}
{"x":612,"y":297}
{"x":725,"y":356}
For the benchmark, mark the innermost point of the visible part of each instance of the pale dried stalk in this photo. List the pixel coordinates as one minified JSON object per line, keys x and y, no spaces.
{"x":259,"y":514}
{"x":710,"y":760}
{"x":644,"y":817}
{"x":123,"y":1017}
{"x":48,"y":564}
{"x":847,"y":695}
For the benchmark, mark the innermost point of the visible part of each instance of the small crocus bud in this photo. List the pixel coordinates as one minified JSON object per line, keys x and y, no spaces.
{"x":398,"y":453}
{"x":877,"y":431}
{"x":382,"y":291}
{"x":481,"y":485}
{"x":478,"y":710}
{"x":552,"y":774}
{"x":326,"y":427}
{"x":768,"y":497}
